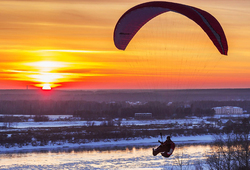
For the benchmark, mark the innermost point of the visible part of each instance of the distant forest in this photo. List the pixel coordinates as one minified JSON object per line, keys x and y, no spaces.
{"x":94,"y":110}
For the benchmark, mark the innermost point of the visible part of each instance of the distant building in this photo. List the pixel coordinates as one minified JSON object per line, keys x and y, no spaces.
{"x":228,"y":110}
{"x":143,"y":115}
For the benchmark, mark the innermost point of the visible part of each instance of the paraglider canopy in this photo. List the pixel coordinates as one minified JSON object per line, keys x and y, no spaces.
{"x":132,"y":20}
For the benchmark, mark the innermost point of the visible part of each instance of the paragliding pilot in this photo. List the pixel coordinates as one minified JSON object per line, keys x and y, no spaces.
{"x":166,"y":148}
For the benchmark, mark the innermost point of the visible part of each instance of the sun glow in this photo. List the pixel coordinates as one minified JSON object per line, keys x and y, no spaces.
{"x":46,"y":87}
{"x":47,"y":74}
{"x":50,"y":78}
{"x":46,"y":66}
{"x":55,"y":73}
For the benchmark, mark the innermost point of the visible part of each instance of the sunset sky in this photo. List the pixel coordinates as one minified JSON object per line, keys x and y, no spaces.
{"x":68,"y":44}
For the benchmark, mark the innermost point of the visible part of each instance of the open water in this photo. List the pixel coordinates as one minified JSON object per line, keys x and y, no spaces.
{"x":184,"y":157}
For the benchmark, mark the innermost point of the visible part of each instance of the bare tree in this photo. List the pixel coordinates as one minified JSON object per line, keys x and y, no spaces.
{"x":182,"y":160}
{"x":243,"y":144}
{"x":232,"y":150}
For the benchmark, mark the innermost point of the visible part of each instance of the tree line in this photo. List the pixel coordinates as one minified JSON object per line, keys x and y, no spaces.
{"x":159,"y":110}
{"x":92,"y":109}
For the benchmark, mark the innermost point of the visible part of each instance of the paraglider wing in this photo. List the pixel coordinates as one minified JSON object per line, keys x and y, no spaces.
{"x":132,"y":20}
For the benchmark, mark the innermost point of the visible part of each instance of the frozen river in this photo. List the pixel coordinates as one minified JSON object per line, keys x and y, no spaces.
{"x":100,"y":155}
{"x":188,"y":156}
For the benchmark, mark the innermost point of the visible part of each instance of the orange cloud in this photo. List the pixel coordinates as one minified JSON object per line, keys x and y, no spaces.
{"x":70,"y":44}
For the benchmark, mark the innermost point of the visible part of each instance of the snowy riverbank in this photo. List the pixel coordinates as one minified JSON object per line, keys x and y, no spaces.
{"x":108,"y":144}
{"x":121,"y":136}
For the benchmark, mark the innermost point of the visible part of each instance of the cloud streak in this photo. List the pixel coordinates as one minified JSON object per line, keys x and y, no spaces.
{"x":71,"y":41}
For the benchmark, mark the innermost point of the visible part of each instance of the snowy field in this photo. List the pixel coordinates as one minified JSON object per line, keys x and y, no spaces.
{"x":108,"y":143}
{"x":194,"y":120}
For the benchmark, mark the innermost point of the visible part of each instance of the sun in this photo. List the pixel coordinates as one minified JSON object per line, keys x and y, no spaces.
{"x":46,"y":87}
